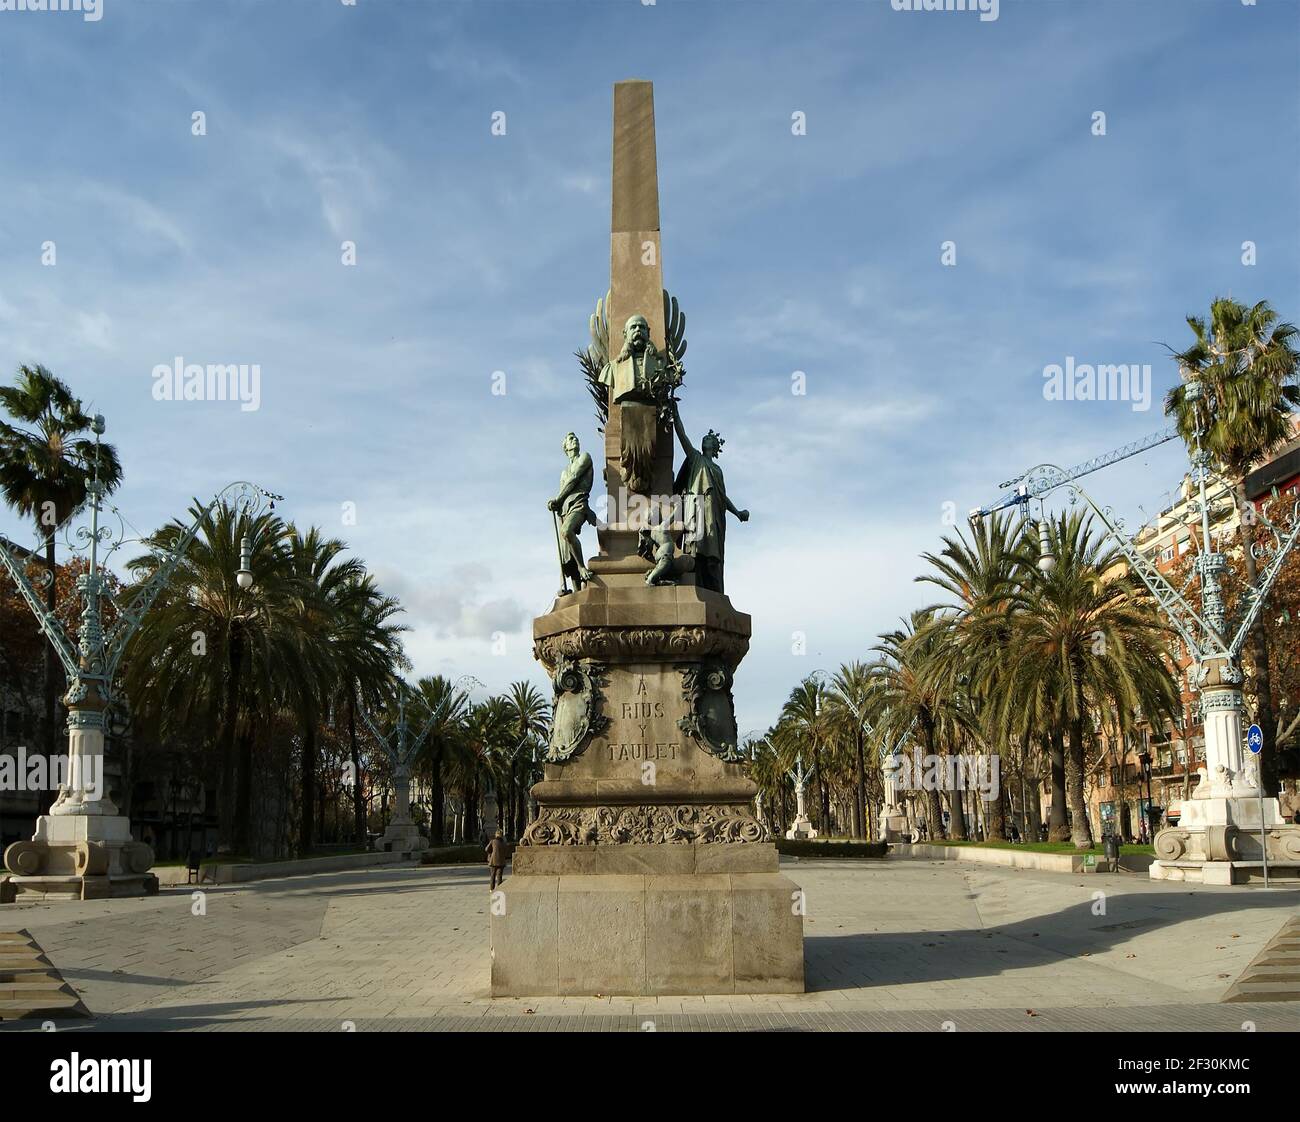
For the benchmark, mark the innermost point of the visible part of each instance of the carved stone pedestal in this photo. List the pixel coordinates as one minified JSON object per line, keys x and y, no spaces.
{"x":401,"y":837}
{"x":801,"y":828}
{"x":1218,"y":841}
{"x":83,"y":849}
{"x":1218,"y":836}
{"x":78,"y":857}
{"x":894,"y":826}
{"x":646,"y":871}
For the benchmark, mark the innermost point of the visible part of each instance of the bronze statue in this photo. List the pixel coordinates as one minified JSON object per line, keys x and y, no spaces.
{"x":658,"y":545}
{"x":700,"y":480}
{"x":639,"y":372}
{"x":573,"y":511}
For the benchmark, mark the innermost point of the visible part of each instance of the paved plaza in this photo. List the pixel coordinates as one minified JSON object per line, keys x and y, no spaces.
{"x":896,"y":944}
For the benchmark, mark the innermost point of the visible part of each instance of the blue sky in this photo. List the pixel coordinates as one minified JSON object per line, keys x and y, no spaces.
{"x":479,"y":253}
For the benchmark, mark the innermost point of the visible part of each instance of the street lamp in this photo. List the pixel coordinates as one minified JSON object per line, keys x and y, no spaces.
{"x":401,"y":834}
{"x":1046,"y":558}
{"x":1209,"y":829}
{"x":244,"y":576}
{"x":83,"y":847}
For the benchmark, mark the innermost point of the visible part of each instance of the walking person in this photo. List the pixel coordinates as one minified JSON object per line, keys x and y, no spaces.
{"x":496,"y":859}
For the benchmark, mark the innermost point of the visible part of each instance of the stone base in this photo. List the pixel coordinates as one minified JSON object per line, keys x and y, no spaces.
{"x":896,"y":829}
{"x":801,"y":828}
{"x":656,"y":935}
{"x":78,"y":857}
{"x":1219,"y":841}
{"x":38,"y":889}
{"x":401,"y":837}
{"x":1221,"y":872}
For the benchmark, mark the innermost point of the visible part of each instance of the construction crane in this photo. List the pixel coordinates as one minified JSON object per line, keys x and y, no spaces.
{"x":1038,"y":481}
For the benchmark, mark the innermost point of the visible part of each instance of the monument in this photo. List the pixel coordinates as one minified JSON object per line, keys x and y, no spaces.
{"x":801,"y":828}
{"x":894,"y":826}
{"x":402,"y":834}
{"x":646,"y":870}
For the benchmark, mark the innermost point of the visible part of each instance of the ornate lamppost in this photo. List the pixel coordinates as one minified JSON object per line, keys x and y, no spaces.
{"x":83,"y":849}
{"x":402,"y":835}
{"x":801,"y":827}
{"x":1225,"y":824}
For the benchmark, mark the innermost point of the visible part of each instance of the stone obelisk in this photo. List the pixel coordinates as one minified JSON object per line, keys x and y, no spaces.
{"x":646,"y":870}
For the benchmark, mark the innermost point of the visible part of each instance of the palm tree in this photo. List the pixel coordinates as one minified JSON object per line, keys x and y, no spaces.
{"x":530,"y":719}
{"x":369,"y":659}
{"x":770,"y":770}
{"x":849,"y":701}
{"x":1245,"y":363}
{"x":981,"y":576}
{"x":1082,"y":643}
{"x":206,"y":647}
{"x":805,"y":729}
{"x":321,"y":582}
{"x":487,"y":732}
{"x":919,"y":690}
{"x":444,"y":706}
{"x":45,"y":466}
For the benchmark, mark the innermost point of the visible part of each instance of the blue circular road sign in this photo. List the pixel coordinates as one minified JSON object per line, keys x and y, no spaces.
{"x":1255,"y":738}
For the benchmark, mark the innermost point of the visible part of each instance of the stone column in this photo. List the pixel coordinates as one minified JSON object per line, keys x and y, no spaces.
{"x":894,"y":821}
{"x":83,"y":848}
{"x":1218,"y":836}
{"x":636,"y":287}
{"x":402,"y":835}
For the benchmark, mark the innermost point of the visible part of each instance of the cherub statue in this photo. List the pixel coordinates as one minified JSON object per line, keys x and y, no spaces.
{"x":657,"y":545}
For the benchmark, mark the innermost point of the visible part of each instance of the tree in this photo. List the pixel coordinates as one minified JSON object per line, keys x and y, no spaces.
{"x":369,"y":657}
{"x":1082,"y":643}
{"x":919,"y":690}
{"x":46,"y":465}
{"x":850,"y":701}
{"x":804,"y":729}
{"x":1245,"y":364}
{"x":981,"y":576}
{"x":207,"y":649}
{"x":444,"y":706}
{"x":321,"y":581}
{"x":487,"y":732}
{"x":530,"y":719}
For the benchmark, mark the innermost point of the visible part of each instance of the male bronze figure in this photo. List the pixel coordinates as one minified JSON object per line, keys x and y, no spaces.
{"x":573,"y":511}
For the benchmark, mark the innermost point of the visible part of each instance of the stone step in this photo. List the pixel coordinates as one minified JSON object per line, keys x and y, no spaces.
{"x":1264,"y":991}
{"x":29,"y":990}
{"x":55,"y":1005}
{"x":30,"y":986}
{"x":1274,"y":974}
{"x":11,"y":973}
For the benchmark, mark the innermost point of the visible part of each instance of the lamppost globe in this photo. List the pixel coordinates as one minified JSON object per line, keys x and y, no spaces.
{"x":245,"y":574}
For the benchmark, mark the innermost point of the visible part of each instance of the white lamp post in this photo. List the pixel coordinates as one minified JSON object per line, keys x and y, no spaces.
{"x":83,"y":848}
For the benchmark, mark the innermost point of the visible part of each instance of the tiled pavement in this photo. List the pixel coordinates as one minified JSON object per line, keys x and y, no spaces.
{"x":901,"y":943}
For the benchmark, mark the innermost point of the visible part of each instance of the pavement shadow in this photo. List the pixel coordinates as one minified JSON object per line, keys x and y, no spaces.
{"x":837,"y":962}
